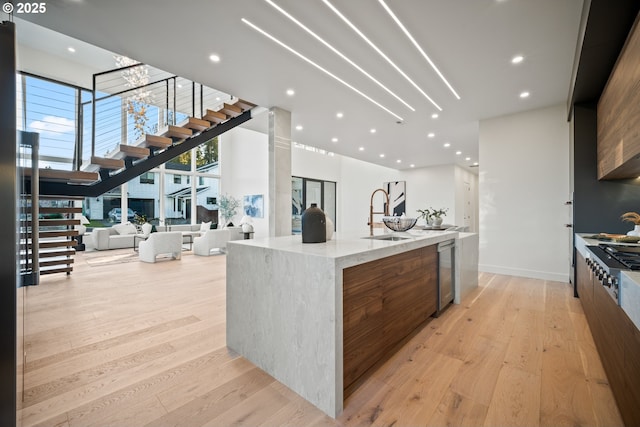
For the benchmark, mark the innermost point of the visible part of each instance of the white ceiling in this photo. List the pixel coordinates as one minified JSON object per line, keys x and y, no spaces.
{"x":470,"y":41}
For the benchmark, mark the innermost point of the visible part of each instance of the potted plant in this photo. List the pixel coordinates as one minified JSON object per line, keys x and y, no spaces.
{"x":436,"y":216}
{"x":425,"y":214}
{"x":227,"y":208}
{"x":633,"y":217}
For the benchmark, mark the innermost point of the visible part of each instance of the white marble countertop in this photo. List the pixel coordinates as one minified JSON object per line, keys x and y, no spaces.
{"x":345,"y":244}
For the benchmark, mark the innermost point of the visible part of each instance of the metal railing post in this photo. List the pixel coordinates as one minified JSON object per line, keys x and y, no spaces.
{"x":93,"y":118}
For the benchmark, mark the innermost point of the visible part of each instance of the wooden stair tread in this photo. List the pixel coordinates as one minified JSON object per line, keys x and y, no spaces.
{"x":245,"y":105}
{"x":157,"y":141}
{"x":57,"y":233}
{"x":65,"y":175}
{"x":51,"y":263}
{"x":197,"y":124}
{"x":57,"y":270}
{"x":179,"y":132}
{"x":58,"y":209}
{"x":231,"y":110}
{"x":215,"y":116}
{"x":134,"y":151}
{"x":107,"y":163}
{"x":51,"y":254}
{"x":56,"y":222}
{"x":56,"y":244}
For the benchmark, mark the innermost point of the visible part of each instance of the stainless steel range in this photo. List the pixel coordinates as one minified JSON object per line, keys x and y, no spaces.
{"x":607,"y":261}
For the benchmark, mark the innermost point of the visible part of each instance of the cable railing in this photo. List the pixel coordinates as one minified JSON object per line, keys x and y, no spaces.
{"x":135,"y":100}
{"x":122,"y":107}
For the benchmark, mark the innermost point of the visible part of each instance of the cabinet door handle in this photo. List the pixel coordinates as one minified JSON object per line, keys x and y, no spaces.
{"x":569,"y":225}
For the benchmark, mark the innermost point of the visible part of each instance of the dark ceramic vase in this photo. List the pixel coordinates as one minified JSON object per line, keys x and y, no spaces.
{"x":314,"y":228}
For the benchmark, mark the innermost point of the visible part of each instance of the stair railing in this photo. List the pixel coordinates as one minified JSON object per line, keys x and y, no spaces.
{"x":146,"y":106}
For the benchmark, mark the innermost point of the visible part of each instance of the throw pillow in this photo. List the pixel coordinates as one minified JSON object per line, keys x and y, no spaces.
{"x":205,"y":226}
{"x":124,"y":229}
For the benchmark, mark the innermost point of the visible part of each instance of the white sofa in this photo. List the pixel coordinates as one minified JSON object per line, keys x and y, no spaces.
{"x":117,"y":237}
{"x":215,"y":241}
{"x":189,"y":231}
{"x":169,"y":242}
{"x":122,"y":235}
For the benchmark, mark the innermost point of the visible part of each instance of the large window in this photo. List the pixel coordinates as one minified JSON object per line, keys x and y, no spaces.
{"x":53,"y":110}
{"x":304,"y":192}
{"x":147,"y":178}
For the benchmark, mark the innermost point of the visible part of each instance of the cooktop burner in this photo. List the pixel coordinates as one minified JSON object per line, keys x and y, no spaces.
{"x":629,"y":256}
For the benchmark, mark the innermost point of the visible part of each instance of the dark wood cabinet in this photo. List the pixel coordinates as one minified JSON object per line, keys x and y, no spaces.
{"x":617,"y":340}
{"x":619,"y":115}
{"x":384,"y":301}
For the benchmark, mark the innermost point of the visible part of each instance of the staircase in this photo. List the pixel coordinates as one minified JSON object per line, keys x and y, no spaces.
{"x":102,"y":174}
{"x":53,"y":233}
{"x":204,"y":113}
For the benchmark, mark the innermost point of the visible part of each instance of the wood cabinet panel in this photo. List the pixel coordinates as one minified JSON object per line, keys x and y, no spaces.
{"x":630,"y":406}
{"x":383,"y":302}
{"x":619,"y":115}
{"x":362,"y":319}
{"x":610,"y":337}
{"x":617,"y":340}
{"x":584,"y":284}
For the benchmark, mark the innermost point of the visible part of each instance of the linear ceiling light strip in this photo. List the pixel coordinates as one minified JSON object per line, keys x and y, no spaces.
{"x":402,"y":73}
{"x":337,"y":52}
{"x":330,"y":74}
{"x":415,"y":43}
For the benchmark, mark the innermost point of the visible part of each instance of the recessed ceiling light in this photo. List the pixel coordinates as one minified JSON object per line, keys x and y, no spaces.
{"x":374,"y":47}
{"x":458,"y":153}
{"x":517,"y":59}
{"x":361,"y":148}
{"x":381,"y":155}
{"x":71,"y":49}
{"x":291,"y":92}
{"x":475,"y":163}
{"x":412,"y":165}
{"x":179,"y":86}
{"x":334,"y":139}
{"x":524,"y":94}
{"x":214,"y":58}
{"x":339,"y":115}
{"x":446,"y":145}
{"x":434,"y":116}
{"x":372,"y":131}
{"x":468,"y":158}
{"x":398,"y":161}
{"x":431,"y":134}
{"x":299,"y":127}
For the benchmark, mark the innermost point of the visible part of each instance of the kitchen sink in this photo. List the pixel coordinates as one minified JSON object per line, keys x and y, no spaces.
{"x":386,"y":237}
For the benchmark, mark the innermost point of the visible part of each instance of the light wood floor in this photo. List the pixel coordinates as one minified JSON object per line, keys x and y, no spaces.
{"x":135,"y":344}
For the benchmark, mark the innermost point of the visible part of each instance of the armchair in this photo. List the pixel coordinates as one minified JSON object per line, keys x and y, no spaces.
{"x":211,"y":240}
{"x":161,"y":243}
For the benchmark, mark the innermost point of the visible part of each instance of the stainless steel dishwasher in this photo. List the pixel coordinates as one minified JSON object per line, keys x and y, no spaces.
{"x":446,"y":274}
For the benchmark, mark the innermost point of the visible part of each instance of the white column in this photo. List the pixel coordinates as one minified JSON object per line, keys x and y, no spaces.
{"x":279,"y":172}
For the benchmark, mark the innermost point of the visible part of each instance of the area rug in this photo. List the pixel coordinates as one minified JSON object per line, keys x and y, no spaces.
{"x":99,"y":259}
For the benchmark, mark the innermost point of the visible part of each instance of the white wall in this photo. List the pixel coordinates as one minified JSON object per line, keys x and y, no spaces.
{"x":244,"y":171}
{"x":436,"y":187}
{"x":523,"y":185}
{"x":52,"y":66}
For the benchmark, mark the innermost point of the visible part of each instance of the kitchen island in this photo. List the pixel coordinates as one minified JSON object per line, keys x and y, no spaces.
{"x":286,"y":309}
